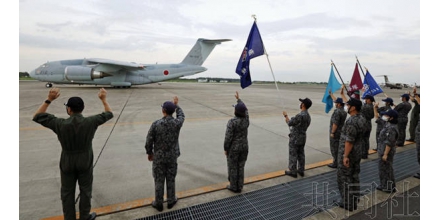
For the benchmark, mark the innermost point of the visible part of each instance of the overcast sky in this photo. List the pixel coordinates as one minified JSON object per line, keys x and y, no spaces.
{"x":301,"y":37}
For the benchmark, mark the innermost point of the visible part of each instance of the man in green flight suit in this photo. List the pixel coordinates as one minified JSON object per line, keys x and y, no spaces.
{"x":75,"y":135}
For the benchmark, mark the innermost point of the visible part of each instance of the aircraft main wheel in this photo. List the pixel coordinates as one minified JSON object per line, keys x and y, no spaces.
{"x":48,"y":85}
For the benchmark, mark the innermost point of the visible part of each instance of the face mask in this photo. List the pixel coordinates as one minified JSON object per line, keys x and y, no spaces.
{"x":384,"y":103}
{"x":300,"y":105}
{"x":364,"y":101}
{"x":346,"y":108}
{"x":385,"y":118}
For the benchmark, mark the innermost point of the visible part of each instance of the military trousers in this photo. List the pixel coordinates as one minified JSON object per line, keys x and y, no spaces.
{"x":348,"y":181}
{"x":366,"y":140}
{"x":401,"y":126}
{"x":412,"y":127}
{"x":386,"y":171}
{"x":236,"y":162}
{"x":334,"y":147}
{"x":417,"y":139}
{"x":297,"y":158}
{"x":165,"y":169}
{"x":68,"y":186}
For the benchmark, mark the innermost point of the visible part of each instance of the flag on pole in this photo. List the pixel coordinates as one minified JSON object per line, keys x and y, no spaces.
{"x":355,"y":84}
{"x":333,"y":85}
{"x":370,"y":85}
{"x":254,"y":47}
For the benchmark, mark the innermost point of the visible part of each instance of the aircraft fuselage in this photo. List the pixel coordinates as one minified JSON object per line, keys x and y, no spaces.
{"x":83,"y":72}
{"x":98,"y":71}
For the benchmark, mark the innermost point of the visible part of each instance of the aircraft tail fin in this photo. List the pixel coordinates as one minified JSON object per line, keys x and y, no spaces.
{"x":201,"y":51}
{"x":386,"y":79}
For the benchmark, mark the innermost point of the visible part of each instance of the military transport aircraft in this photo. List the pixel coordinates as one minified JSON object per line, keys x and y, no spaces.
{"x":392,"y":85}
{"x":120,"y":74}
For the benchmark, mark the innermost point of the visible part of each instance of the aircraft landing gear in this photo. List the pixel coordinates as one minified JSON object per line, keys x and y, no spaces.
{"x":48,"y":85}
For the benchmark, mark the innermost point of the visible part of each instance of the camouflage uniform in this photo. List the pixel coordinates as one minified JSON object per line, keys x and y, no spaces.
{"x":417,"y":139}
{"x":380,"y":123}
{"x":338,"y":118}
{"x":76,"y":164}
{"x":415,"y":118}
{"x":162,"y":141}
{"x":348,"y":177}
{"x":236,"y":146}
{"x":297,"y":140}
{"x":403,"y":109}
{"x":388,"y":136}
{"x":368,"y":112}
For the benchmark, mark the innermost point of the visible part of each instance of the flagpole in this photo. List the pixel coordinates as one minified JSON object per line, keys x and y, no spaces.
{"x":339,"y":76}
{"x":270,"y":66}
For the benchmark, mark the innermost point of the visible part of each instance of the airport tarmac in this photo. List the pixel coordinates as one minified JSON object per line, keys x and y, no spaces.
{"x":123,"y":173}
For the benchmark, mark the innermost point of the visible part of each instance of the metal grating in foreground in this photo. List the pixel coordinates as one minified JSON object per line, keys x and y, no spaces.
{"x":293,"y":200}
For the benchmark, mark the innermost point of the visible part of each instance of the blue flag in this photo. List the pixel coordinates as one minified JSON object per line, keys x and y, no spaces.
{"x":333,"y":85}
{"x":253,"y":48}
{"x":370,"y":85}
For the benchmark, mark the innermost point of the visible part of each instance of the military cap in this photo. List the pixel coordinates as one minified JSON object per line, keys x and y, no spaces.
{"x":169,"y":107}
{"x":354,"y":102}
{"x":307,"y":102}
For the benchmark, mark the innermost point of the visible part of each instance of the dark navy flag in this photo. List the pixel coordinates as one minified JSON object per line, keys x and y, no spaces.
{"x":253,"y":48}
{"x":333,"y":85}
{"x":370,"y":85}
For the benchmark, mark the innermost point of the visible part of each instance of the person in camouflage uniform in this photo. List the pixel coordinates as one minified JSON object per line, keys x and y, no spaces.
{"x":403,"y":109}
{"x":75,"y":135}
{"x":368,"y":113}
{"x":297,"y":138}
{"x":388,"y":102}
{"x":349,"y":155}
{"x":415,"y":117}
{"x":162,"y":148}
{"x":236,"y":145}
{"x":417,"y":137}
{"x":337,"y":121}
{"x":386,"y":150}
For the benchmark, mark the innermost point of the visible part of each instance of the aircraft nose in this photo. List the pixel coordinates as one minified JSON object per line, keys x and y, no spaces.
{"x":32,"y":73}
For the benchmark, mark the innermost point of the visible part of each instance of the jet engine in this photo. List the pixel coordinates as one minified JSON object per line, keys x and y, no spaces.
{"x":82,"y":73}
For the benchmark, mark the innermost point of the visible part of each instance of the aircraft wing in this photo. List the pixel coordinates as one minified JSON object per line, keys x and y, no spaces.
{"x":114,"y":63}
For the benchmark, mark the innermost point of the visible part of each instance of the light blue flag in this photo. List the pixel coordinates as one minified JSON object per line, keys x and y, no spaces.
{"x":370,"y":85}
{"x":333,"y":85}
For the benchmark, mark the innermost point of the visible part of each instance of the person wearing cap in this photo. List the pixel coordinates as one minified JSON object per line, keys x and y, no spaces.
{"x":387,"y":103}
{"x":297,"y":138}
{"x":349,"y":155}
{"x":415,"y":116}
{"x":403,"y":109}
{"x":368,"y":112}
{"x":386,"y":150}
{"x":75,"y":135}
{"x":337,"y":121}
{"x":162,"y":149}
{"x":236,"y":145}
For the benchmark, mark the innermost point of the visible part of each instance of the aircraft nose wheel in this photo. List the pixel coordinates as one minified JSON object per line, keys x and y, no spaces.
{"x":48,"y":85}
